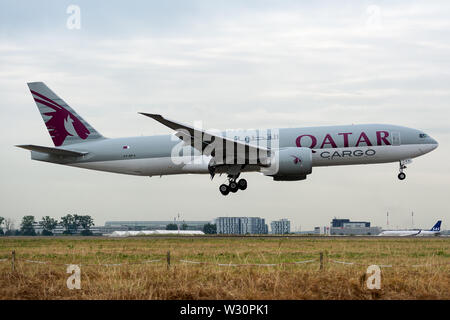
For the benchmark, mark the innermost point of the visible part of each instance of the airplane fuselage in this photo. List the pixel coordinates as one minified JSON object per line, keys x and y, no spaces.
{"x":409,"y":233}
{"x":286,"y":154}
{"x":330,"y":145}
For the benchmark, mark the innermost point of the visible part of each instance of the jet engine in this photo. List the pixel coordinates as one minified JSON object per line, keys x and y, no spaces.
{"x":289,"y":164}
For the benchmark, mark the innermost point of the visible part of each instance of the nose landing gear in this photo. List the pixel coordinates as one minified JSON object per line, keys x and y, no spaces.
{"x":402,"y":175}
{"x":233,"y":186}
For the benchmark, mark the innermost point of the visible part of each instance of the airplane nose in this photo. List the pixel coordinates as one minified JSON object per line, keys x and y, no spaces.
{"x":434,"y":143}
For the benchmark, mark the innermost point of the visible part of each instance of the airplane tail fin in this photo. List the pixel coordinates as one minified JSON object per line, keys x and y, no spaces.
{"x":64,"y":125}
{"x":437,"y":226}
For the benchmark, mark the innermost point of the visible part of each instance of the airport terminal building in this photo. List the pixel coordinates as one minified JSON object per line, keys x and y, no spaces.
{"x":96,"y":230}
{"x":282,"y":226}
{"x":152,"y":225}
{"x":111,"y":226}
{"x":241,"y":225}
{"x":347,"y":227}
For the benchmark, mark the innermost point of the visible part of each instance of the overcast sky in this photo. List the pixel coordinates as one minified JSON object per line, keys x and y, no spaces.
{"x":230,"y":64}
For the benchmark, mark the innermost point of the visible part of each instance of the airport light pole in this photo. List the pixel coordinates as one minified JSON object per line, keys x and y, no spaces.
{"x":387,"y":220}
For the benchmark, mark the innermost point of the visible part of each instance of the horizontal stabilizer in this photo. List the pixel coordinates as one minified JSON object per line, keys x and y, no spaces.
{"x":52,"y":151}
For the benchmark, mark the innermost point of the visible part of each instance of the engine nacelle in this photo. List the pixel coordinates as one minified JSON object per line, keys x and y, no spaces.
{"x":289,"y":164}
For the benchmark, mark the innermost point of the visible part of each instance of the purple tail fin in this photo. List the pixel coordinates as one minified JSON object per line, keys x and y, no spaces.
{"x":64,"y":125}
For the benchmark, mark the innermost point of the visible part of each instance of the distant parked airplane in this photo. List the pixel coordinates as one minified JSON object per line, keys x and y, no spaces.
{"x":284,"y":154}
{"x":415,"y":233}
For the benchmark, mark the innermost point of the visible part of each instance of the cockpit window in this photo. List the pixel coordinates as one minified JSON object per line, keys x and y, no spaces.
{"x":423,"y":135}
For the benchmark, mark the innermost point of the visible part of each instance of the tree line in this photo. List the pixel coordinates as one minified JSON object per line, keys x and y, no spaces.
{"x":71,"y":224}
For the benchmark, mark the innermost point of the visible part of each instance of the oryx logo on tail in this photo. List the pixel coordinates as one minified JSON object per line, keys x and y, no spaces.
{"x":62,"y":123}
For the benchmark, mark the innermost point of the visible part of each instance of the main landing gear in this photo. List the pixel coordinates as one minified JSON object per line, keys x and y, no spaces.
{"x":402,"y":175}
{"x":233,"y":185}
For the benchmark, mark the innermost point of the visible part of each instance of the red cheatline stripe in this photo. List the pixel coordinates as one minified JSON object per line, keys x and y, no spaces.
{"x":45,"y":98}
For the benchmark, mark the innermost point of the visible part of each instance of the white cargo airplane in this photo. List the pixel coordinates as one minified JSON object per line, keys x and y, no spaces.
{"x":286,"y":154}
{"x":435,"y":231}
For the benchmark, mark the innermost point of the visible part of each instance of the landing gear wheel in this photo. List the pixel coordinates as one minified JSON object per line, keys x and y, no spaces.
{"x":224,"y":189}
{"x":242,"y":184}
{"x":233,"y":186}
{"x":403,"y":164}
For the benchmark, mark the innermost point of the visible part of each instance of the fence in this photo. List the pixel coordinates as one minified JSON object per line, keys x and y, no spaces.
{"x":320,"y":260}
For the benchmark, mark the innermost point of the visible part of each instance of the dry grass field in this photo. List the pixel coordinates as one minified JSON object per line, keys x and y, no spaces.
{"x":154,"y":280}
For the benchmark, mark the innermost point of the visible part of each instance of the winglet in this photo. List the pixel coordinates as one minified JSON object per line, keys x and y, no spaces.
{"x":155,"y":116}
{"x":152,"y":115}
{"x":174,"y":125}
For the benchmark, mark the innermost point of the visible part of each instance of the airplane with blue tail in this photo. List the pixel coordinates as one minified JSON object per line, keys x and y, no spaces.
{"x":434,"y":231}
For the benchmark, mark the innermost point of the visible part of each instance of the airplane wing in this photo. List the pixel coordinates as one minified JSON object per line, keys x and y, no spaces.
{"x":411,"y":234}
{"x":215,"y":145}
{"x":52,"y":151}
